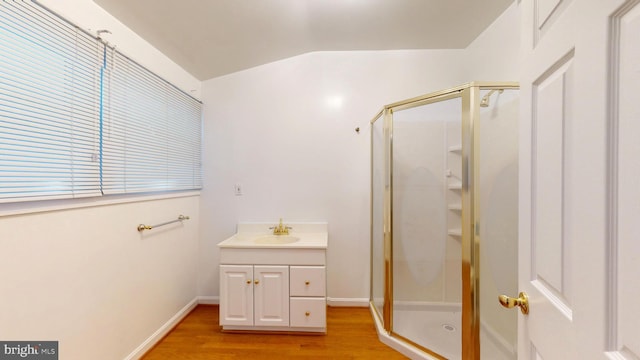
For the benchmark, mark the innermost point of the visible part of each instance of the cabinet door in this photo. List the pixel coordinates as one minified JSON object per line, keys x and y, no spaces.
{"x":271,"y":295}
{"x":236,"y":295}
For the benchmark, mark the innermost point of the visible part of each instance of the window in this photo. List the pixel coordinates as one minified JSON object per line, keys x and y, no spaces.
{"x":80,"y":119}
{"x":151,"y":132}
{"x":49,"y":106}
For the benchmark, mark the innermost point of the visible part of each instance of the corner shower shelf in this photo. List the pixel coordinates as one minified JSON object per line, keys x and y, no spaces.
{"x":455,"y":232}
{"x":455,"y":186}
{"x":455,"y":148}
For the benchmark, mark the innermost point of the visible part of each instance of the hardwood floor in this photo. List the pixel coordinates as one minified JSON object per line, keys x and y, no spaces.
{"x":351,"y":335}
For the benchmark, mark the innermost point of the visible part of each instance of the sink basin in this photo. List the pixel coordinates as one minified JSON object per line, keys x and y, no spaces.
{"x":276,"y":239}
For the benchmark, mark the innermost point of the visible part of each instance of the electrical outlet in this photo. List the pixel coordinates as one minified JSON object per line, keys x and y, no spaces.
{"x":237,"y":189}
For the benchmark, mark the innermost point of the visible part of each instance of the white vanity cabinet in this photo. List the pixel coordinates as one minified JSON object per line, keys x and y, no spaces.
{"x":274,"y":285}
{"x":254,"y":295}
{"x":273,"y":298}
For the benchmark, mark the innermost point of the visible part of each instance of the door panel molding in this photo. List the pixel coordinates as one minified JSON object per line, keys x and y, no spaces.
{"x":546,"y":12}
{"x":554,"y":298}
{"x":550,"y":245}
{"x":623,"y":190}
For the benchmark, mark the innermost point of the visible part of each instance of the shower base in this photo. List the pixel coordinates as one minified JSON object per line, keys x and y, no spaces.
{"x":437,"y":327}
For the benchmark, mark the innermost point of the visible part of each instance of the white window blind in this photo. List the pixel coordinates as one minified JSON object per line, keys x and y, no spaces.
{"x":78,"y":118}
{"x":151,"y":132}
{"x":49,"y":106}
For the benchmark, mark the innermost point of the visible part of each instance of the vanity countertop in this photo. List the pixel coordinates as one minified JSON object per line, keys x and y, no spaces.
{"x":308,"y":235}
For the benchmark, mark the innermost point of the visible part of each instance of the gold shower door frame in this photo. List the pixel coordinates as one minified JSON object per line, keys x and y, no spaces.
{"x":470,"y":95}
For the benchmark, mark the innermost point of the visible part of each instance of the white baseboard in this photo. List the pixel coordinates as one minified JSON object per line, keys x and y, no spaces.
{"x":209,"y":300}
{"x":162,"y":331}
{"x":336,"y":302}
{"x":348,"y":302}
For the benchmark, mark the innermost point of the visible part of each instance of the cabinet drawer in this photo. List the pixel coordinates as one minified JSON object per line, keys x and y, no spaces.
{"x":308,"y":312}
{"x":307,"y":281}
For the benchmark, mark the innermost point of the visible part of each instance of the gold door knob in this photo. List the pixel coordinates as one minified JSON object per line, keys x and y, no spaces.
{"x":248,"y":281}
{"x":522,"y":301}
{"x":257,"y":282}
{"x":307,"y":282}
{"x":307,"y":313}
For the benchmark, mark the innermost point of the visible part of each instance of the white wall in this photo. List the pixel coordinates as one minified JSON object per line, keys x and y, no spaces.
{"x":78,"y":271}
{"x":285,"y":132}
{"x":85,"y":277}
{"x":495,"y":54}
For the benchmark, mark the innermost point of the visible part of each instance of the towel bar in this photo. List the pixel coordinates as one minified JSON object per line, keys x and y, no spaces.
{"x":143,"y":227}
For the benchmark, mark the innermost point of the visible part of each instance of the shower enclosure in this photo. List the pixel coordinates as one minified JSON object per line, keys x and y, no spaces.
{"x":444,"y":211}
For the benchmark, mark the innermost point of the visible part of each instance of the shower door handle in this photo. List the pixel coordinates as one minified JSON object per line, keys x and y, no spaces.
{"x":522,"y":301}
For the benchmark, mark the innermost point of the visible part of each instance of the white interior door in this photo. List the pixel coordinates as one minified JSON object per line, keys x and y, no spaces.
{"x":579,"y":179}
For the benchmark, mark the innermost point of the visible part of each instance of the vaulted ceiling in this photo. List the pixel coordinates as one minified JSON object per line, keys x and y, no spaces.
{"x":210,"y":38}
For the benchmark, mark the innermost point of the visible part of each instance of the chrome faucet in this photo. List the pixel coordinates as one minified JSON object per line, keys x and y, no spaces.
{"x":280,"y":229}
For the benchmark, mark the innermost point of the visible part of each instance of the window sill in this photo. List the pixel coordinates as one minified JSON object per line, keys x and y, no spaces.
{"x":23,"y":208}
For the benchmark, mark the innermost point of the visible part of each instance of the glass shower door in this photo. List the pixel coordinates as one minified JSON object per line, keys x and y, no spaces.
{"x":379,"y":185}
{"x":426,"y":225}
{"x":498,"y":219}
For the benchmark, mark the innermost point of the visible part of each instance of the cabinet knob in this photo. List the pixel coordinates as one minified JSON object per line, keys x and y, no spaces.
{"x":248,"y":281}
{"x":307,"y":282}
{"x":307,"y":313}
{"x":257,"y":282}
